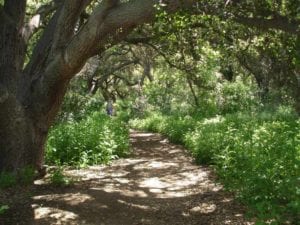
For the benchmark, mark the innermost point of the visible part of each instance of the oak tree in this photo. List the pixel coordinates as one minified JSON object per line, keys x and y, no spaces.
{"x":31,"y":92}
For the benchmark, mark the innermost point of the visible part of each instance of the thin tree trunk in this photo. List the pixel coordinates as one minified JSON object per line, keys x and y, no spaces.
{"x":193,"y":92}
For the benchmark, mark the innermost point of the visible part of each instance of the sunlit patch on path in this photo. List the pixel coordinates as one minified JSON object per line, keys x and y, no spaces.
{"x":158,"y":185}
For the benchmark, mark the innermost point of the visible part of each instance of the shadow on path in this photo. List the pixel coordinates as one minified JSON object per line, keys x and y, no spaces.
{"x":157,"y":185}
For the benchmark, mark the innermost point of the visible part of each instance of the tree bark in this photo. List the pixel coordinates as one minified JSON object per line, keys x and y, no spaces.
{"x":190,"y":83}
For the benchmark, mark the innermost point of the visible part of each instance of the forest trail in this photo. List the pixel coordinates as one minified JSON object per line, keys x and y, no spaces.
{"x":158,"y":185}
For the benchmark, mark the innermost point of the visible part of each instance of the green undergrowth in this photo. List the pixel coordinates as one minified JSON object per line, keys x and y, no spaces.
{"x":257,"y":156}
{"x":23,"y":177}
{"x":95,"y":140}
{"x":58,"y":178}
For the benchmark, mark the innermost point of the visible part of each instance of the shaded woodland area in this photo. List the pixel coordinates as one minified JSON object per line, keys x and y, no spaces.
{"x":221,"y":78}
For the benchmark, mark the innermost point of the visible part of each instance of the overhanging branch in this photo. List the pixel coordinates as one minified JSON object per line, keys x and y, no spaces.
{"x":278,"y":23}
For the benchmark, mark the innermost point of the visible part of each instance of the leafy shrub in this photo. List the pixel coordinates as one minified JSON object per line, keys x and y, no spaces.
{"x":237,"y":96}
{"x":176,"y":126}
{"x":202,"y":143}
{"x":58,"y":178}
{"x":154,"y":122}
{"x":94,"y":140}
{"x":258,"y":159}
{"x":171,"y":126}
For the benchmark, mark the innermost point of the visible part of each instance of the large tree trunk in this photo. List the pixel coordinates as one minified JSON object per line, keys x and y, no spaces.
{"x":14,"y":127}
{"x":24,"y":125}
{"x":22,"y":141}
{"x":26,"y":112}
{"x":15,"y":136}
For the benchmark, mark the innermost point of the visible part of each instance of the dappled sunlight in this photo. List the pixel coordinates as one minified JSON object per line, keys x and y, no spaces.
{"x":143,"y":135}
{"x":127,"y":193}
{"x":70,"y":198}
{"x":157,"y":173}
{"x":157,"y":185}
{"x":143,"y":207}
{"x":155,"y":165}
{"x":204,"y":208}
{"x":154,"y":182}
{"x":214,"y":120}
{"x":56,"y":215}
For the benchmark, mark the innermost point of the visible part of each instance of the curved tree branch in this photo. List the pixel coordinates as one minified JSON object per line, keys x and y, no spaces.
{"x":37,"y":19}
{"x":278,"y":23}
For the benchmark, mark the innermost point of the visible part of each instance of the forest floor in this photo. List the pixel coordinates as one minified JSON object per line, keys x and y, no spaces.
{"x":159,"y":184}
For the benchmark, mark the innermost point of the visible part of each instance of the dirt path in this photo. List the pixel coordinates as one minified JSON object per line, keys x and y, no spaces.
{"x":158,"y":185}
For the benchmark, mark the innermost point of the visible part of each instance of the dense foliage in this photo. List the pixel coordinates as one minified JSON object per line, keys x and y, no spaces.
{"x":94,"y":140}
